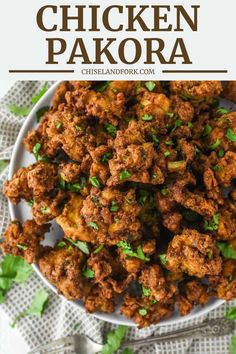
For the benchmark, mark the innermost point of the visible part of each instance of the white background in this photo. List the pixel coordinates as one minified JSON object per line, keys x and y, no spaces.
{"x":11,"y":341}
{"x":23,"y":44}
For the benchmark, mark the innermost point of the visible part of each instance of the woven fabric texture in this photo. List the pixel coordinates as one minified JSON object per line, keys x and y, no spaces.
{"x":61,"y":317}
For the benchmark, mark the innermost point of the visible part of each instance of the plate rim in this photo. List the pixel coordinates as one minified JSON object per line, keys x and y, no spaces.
{"x":101,"y":316}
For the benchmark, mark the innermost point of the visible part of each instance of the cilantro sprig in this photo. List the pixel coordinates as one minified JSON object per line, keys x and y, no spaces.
{"x":226,"y":250}
{"x":114,"y":340}
{"x":37,"y":307}
{"x":212,"y":226}
{"x":83,"y":246}
{"x":13,"y":269}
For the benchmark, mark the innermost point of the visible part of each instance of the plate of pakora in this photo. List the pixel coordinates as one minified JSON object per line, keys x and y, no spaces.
{"x":122,"y":196}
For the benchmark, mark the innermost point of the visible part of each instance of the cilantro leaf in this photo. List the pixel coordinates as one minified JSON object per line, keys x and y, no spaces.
{"x":222,"y":110}
{"x":93,"y":225}
{"x":124,"y":174}
{"x":147,"y":117}
{"x":83,"y":246}
{"x":40,"y":94}
{"x":207,"y":130}
{"x":111,"y":129}
{"x":13,"y":269}
{"x":226,"y":250}
{"x":106,"y":157}
{"x":127,"y":249}
{"x":95,"y":182}
{"x":215,"y":145}
{"x":231,"y":313}
{"x":230,"y":134}
{"x":127,"y":351}
{"x":88,"y":273}
{"x":114,"y":339}
{"x":146,"y":291}
{"x":99,"y":248}
{"x":36,"y":150}
{"x":142,"y":312}
{"x":162,"y":259}
{"x":213,"y":226}
{"x":20,"y":111}
{"x":101,"y":87}
{"x":150,"y":85}
{"x":3,"y":165}
{"x":114,"y":207}
{"x":41,"y":112}
{"x":232,"y":348}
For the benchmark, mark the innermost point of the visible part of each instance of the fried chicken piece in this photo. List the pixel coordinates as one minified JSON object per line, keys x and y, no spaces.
{"x":225,"y":284}
{"x":183,"y":109}
{"x":229,"y":91}
{"x":193,"y":253}
{"x":71,"y":221}
{"x":63,"y":268}
{"x":99,"y":300}
{"x":227,"y":222}
{"x":192,"y":292}
{"x":17,"y":188}
{"x":227,"y":169}
{"x":48,"y":208}
{"x":69,"y":171}
{"x":172,"y":221}
{"x":152,"y":279}
{"x":196,"y":90}
{"x":112,"y":215}
{"x":135,"y":163}
{"x":97,"y":104}
{"x":42,"y":178}
{"x":24,"y":239}
{"x":144,"y":312}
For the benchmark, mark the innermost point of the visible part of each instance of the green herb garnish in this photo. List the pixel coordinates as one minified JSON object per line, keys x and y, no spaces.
{"x":83,"y":246}
{"x":226,"y":250}
{"x":114,"y":207}
{"x":147,"y":117}
{"x":124,"y":174}
{"x":36,"y":150}
{"x":146,"y":291}
{"x":114,"y":339}
{"x":88,"y":273}
{"x":111,"y":129}
{"x":167,"y":153}
{"x":93,"y":225}
{"x":215,"y":145}
{"x":222,"y":110}
{"x":41,"y":112}
{"x":207,"y":130}
{"x":40,"y":94}
{"x":99,"y":248}
{"x":230,"y":134}
{"x":162,"y":259}
{"x":95,"y":182}
{"x":155,"y":140}
{"x":22,"y":247}
{"x":127,"y":249}
{"x":142,"y":312}
{"x":213,"y":226}
{"x":150,"y":85}
{"x":221,"y":153}
{"x":20,"y":111}
{"x":106,"y":157}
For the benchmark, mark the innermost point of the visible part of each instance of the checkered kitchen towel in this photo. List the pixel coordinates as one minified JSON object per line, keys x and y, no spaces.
{"x":61,"y":317}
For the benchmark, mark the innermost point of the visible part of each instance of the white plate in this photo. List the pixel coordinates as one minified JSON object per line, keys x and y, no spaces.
{"x":20,"y":158}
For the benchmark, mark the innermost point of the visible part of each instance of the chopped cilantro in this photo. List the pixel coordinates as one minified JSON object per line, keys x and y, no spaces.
{"x":99,"y":248}
{"x":88,"y":273}
{"x":226,"y":250}
{"x":95,"y":182}
{"x":190,"y":124}
{"x":162,"y":258}
{"x":31,"y":203}
{"x":167,"y":153}
{"x":36,"y":150}
{"x":206,"y":130}
{"x":124,"y":174}
{"x":142,"y":312}
{"x":217,"y":168}
{"x":20,"y":111}
{"x":114,"y":207}
{"x":127,"y":249}
{"x":78,"y":128}
{"x":209,"y":254}
{"x":93,"y":225}
{"x":111,"y":129}
{"x":101,"y":87}
{"x":213,"y":226}
{"x":231,"y":135}
{"x":215,"y":145}
{"x":155,"y":140}
{"x":222,"y":110}
{"x":165,"y":192}
{"x":61,"y":244}
{"x":40,"y":94}
{"x":83,"y":246}
{"x":106,"y":157}
{"x":150,"y":85}
{"x":114,"y":339}
{"x":147,"y":117}
{"x":58,"y":125}
{"x":146,"y":291}
{"x":232,"y":348}
{"x":144,"y":195}
{"x":22,"y":247}
{"x":169,"y":142}
{"x":41,"y":112}
{"x":177,"y":124}
{"x":221,"y":152}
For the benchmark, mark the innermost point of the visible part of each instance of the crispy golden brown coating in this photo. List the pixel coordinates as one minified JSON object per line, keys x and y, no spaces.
{"x":24,"y":240}
{"x":140,"y":176}
{"x":193,"y":253}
